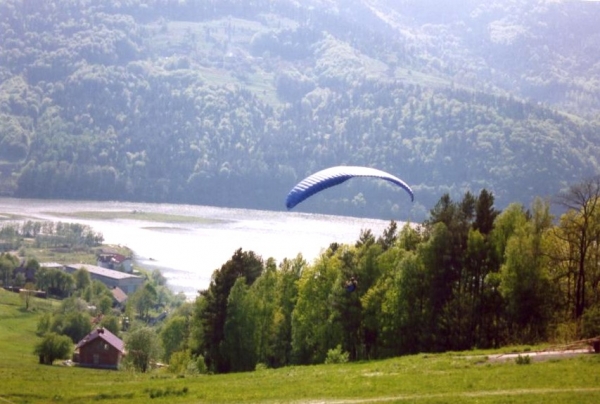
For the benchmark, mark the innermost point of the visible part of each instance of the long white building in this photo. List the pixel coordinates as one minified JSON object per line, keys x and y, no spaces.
{"x":127,"y":282}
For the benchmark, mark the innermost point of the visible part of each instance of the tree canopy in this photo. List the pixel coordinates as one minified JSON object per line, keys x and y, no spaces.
{"x":470,"y":276}
{"x":228,"y":103}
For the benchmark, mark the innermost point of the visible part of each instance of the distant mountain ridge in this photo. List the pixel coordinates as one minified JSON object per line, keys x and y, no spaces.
{"x":230,"y":102}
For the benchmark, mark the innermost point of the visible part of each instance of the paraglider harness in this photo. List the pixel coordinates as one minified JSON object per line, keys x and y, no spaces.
{"x":351,"y":285}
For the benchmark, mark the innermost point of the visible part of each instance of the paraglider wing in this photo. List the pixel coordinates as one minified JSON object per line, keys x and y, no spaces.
{"x":334,"y":176}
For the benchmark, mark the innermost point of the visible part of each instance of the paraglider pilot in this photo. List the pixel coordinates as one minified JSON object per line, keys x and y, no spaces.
{"x":351,"y":285}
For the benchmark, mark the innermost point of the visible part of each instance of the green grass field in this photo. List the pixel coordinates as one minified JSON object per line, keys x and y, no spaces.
{"x":440,"y":378}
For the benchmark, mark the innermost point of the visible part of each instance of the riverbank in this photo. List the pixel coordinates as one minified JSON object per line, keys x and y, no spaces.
{"x":187,"y":251}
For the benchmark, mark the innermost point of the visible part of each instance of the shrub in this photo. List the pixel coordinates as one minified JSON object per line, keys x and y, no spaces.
{"x":169,"y":391}
{"x":336,"y":355}
{"x":590,"y":322}
{"x":200,"y":364}
{"x":43,"y":325}
{"x":180,"y":362}
{"x":565,"y":332}
{"x":143,"y":348}
{"x":52,"y":347}
{"x":523,"y":360}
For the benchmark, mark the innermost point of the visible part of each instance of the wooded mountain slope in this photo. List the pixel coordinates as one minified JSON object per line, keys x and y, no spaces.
{"x":230,"y":103}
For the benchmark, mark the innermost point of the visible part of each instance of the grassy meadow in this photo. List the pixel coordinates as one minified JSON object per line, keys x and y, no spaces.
{"x":440,"y":378}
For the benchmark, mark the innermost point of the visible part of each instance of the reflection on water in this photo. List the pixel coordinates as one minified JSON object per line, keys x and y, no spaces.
{"x":188,"y":253}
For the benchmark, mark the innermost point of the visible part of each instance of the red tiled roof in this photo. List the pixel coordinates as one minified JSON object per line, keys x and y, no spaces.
{"x":105,"y":335}
{"x":105,"y":257}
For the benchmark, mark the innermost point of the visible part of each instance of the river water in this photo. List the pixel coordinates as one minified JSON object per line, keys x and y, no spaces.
{"x":188,"y":253}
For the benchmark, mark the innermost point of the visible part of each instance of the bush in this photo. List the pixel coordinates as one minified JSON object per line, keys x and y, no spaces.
{"x":52,"y":347}
{"x":169,"y":391}
{"x":336,"y":355}
{"x":180,"y":362}
{"x":565,"y":332}
{"x":44,"y":324}
{"x":590,"y":322}
{"x":523,"y":360}
{"x":183,"y":362}
{"x":200,"y":365}
{"x":143,"y":349}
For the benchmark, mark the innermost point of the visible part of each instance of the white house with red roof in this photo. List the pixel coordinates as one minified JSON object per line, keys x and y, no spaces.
{"x":114,"y":260}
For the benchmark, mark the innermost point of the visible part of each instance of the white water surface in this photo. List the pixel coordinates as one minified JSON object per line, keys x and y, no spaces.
{"x":188,"y":253}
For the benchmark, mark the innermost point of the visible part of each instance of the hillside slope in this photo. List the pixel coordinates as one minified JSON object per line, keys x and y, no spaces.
{"x":230,"y":103}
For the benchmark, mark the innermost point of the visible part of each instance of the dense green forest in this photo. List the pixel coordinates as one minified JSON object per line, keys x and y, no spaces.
{"x":230,"y":103}
{"x":470,"y":276}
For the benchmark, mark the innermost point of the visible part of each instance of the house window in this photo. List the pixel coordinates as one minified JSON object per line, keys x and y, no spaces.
{"x":96,"y":359}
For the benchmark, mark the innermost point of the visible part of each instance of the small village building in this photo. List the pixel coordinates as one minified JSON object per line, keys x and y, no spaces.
{"x":113,"y":260}
{"x":128,"y":283}
{"x":52,"y":265}
{"x":119,"y":297}
{"x":99,"y":349}
{"x":26,"y":274}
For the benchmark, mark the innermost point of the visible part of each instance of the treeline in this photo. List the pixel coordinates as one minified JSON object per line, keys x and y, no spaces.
{"x":468,"y":277}
{"x":48,"y":234}
{"x":230,"y":104}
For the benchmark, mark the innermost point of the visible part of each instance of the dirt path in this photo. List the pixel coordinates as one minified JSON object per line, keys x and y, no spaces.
{"x":540,"y":355}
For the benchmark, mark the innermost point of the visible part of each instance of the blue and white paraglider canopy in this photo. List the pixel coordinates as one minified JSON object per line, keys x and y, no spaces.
{"x":334,"y":176}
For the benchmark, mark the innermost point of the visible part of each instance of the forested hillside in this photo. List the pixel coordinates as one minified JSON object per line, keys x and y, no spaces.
{"x":230,"y":103}
{"x":469,"y":277}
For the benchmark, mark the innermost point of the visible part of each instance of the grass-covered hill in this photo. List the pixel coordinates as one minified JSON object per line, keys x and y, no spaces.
{"x":232,"y":102}
{"x":439,"y":378}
